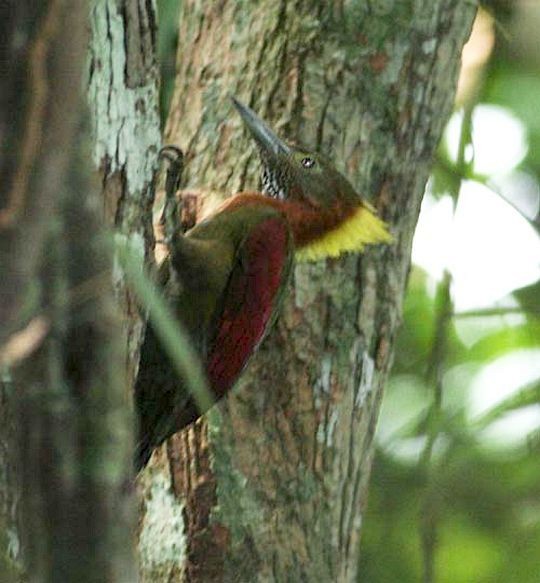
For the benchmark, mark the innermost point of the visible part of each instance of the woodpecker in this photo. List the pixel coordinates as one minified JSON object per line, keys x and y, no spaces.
{"x":234,"y":268}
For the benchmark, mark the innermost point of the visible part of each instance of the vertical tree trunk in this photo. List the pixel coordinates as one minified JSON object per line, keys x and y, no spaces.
{"x":32,"y":172}
{"x":124,"y":101}
{"x":272,"y":486}
{"x":68,"y":405}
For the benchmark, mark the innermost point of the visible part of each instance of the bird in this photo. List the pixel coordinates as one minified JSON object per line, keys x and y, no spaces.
{"x":234,"y":269}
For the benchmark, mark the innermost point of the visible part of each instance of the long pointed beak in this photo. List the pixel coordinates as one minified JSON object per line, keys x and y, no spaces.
{"x":266,"y":139}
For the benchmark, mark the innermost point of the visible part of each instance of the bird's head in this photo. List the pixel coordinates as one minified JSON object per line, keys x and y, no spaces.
{"x":296,"y":174}
{"x":327,"y":216}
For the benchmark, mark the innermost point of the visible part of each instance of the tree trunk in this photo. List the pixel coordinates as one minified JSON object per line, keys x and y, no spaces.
{"x":68,"y":502}
{"x":273,"y":484}
{"x":124,"y":101}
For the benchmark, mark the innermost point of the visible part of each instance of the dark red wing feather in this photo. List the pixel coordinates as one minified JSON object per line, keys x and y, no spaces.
{"x":247,"y":307}
{"x":254,"y":290}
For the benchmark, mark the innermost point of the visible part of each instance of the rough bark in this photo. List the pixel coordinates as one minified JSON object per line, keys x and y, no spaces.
{"x":272,"y":485}
{"x":123,"y":98}
{"x":67,"y":404}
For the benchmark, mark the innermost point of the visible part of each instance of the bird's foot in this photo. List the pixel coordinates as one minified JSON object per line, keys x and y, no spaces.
{"x":175,"y":158}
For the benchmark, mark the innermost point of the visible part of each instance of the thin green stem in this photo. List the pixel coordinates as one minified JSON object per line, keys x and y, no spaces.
{"x":169,"y":330}
{"x":434,"y":375}
{"x":469,"y":174}
{"x":488,"y":312}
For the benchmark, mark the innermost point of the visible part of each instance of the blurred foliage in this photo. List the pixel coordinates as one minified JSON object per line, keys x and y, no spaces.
{"x":169,"y":330}
{"x":480,"y":490}
{"x":450,"y":489}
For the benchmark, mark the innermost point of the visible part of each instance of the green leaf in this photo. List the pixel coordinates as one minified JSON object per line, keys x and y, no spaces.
{"x":526,"y":396}
{"x":504,"y":340}
{"x":529,"y":298}
{"x":168,"y":328}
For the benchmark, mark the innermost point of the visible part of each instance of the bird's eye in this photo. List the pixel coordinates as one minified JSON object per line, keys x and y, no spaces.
{"x":308,"y":162}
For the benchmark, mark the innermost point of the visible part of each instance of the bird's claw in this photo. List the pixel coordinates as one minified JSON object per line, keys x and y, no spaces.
{"x":175,"y":158}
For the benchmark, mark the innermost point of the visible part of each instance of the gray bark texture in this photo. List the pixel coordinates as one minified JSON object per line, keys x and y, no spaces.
{"x":272,"y":485}
{"x":124,"y":102}
{"x":123,"y":94}
{"x":65,"y":503}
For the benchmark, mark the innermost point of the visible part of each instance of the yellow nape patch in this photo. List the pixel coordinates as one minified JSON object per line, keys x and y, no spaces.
{"x":364,"y":227}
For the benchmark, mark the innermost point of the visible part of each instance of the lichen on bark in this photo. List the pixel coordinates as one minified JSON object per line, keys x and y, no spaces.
{"x":123,"y":87}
